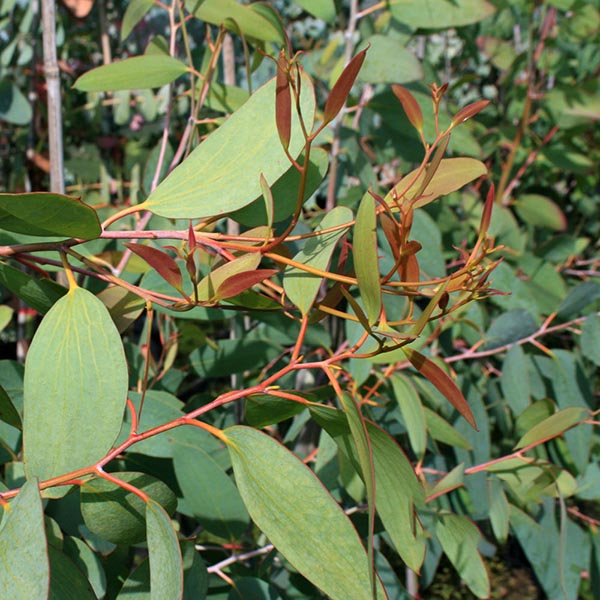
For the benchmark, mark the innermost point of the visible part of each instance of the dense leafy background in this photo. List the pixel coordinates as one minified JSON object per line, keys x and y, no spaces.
{"x":519,"y":358}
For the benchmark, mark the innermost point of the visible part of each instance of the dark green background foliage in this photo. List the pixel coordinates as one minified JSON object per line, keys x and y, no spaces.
{"x":446,"y":510}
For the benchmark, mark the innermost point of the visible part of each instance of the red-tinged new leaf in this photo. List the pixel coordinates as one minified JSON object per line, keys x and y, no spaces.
{"x":161,"y":262}
{"x":191,"y":237}
{"x":341,"y":89}
{"x":392,"y":233}
{"x":486,"y":216}
{"x":410,"y":105}
{"x":240,"y":282}
{"x":469,"y":111}
{"x":283,"y":102}
{"x":442,"y":382}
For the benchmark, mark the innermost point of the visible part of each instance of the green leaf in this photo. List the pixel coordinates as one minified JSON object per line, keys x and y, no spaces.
{"x":366,"y":262}
{"x":378,"y":68}
{"x":552,"y":426}
{"x":358,"y":431}
{"x":252,"y":588}
{"x":209,"y":493}
{"x":25,"y":573}
{"x":66,"y":579}
{"x":459,"y":538}
{"x":116,"y":514}
{"x":263,"y":410}
{"x":233,"y":15}
{"x":440,"y":14}
{"x":14,"y":106}
{"x":439,"y":429}
{"x":138,"y":72}
{"x":75,"y":387}
{"x":515,"y":379}
{"x":6,"y":315}
{"x":590,"y":339}
{"x":40,"y":294}
{"x":289,"y":504}
{"x":48,"y":214}
{"x":451,"y":175}
{"x":322,"y":9}
{"x":87,"y":562}
{"x":136,"y":10}
{"x":398,"y":490}
{"x":208,"y":286}
{"x":412,"y":412}
{"x":223,"y":173}
{"x":580,"y":297}
{"x":285,"y":192}
{"x":166,"y":567}
{"x":452,"y":480}
{"x":540,"y":211}
{"x":509,"y":327}
{"x":8,"y":413}
{"x":499,"y":509}
{"x":300,"y":286}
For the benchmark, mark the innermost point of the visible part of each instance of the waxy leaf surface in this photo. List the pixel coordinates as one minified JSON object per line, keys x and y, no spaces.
{"x":48,"y":214}
{"x":300,"y":286}
{"x":25,"y":573}
{"x":138,"y":72}
{"x":166,"y":568}
{"x":223,"y":173}
{"x":440,"y":14}
{"x":75,"y":387}
{"x":290,"y":505}
{"x":451,"y":175}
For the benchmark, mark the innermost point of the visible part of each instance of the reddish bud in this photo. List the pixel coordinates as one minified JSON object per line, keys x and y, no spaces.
{"x":486,"y":216}
{"x":410,"y":105}
{"x":341,"y":89}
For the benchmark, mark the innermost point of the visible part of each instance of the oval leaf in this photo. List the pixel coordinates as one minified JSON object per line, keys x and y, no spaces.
{"x":469,"y":111}
{"x":451,"y":175}
{"x":166,"y":567}
{"x":116,"y":514}
{"x":223,"y":173}
{"x":138,"y":72}
{"x":48,"y":214}
{"x":300,"y":286}
{"x":25,"y":572}
{"x":440,"y":14}
{"x":290,"y":505}
{"x":75,"y":387}
{"x":136,"y":10}
{"x":366,"y":262}
{"x":378,"y":68}
{"x":236,"y":284}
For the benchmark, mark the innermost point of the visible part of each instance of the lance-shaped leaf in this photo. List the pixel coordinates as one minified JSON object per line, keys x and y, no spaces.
{"x":459,"y":538}
{"x":290,"y":505}
{"x":451,"y":175}
{"x":25,"y":572}
{"x":166,"y":567}
{"x":8,"y":413}
{"x":48,"y":214}
{"x":75,"y":387}
{"x":136,"y":10}
{"x":358,"y":430}
{"x":439,"y":429}
{"x":138,"y":72}
{"x":301,"y":286}
{"x":341,"y":89}
{"x":283,"y":101}
{"x":366,"y":262}
{"x":223,"y":173}
{"x":448,"y":482}
{"x":441,"y":381}
{"x":440,"y":14}
{"x":398,"y":490}
{"x":236,"y":284}
{"x":468,"y":111}
{"x":412,"y":412}
{"x":161,"y":262}
{"x":208,"y":286}
{"x":410,"y":105}
{"x":553,"y":426}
